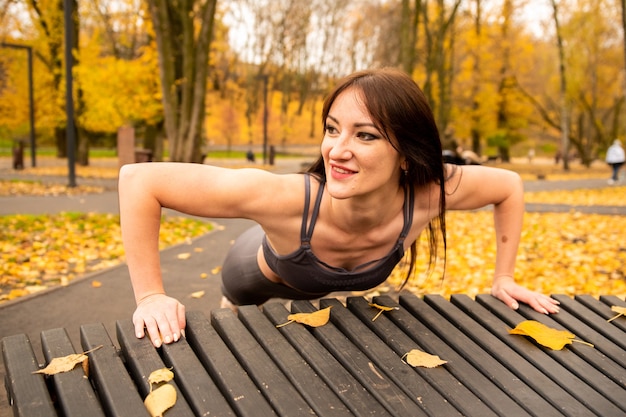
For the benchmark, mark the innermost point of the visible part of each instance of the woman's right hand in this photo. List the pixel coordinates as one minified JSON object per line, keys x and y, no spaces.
{"x":162,"y":316}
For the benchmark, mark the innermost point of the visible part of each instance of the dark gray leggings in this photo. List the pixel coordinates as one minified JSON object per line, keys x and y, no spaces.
{"x":243,"y":283}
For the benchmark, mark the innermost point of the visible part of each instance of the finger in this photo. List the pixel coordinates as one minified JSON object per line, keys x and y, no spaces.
{"x":170,"y":332}
{"x":153,"y":333}
{"x":139,"y":326}
{"x":508,"y":300}
{"x":181,"y":319}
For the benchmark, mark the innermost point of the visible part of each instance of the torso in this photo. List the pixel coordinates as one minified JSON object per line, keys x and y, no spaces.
{"x":347,"y":247}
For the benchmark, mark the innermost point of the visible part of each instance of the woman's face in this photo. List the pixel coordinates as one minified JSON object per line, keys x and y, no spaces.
{"x":357,"y":157}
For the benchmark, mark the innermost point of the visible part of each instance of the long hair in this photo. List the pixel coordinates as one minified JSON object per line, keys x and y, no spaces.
{"x":399,"y":109}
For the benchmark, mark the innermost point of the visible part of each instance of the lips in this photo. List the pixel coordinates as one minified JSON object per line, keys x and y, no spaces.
{"x":339,"y":172}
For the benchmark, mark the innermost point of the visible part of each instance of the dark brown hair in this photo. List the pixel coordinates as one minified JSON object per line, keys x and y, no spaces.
{"x":399,"y":109}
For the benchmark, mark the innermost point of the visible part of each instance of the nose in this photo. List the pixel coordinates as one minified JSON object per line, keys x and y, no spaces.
{"x":340,"y":148}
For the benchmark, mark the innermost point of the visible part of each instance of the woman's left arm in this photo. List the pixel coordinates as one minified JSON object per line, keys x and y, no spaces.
{"x":473,"y":187}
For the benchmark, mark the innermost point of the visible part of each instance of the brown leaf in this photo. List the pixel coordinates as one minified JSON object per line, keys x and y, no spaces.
{"x":544,"y":335}
{"x":65,"y":363}
{"x":160,"y":400}
{"x":315,"y":319}
{"x":619,"y":310}
{"x":416,"y":357}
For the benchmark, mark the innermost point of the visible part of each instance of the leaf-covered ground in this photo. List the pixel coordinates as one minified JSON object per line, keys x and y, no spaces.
{"x":41,"y":251}
{"x":565,"y":253}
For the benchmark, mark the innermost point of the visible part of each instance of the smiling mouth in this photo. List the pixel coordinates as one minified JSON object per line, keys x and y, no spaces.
{"x":340,"y":170}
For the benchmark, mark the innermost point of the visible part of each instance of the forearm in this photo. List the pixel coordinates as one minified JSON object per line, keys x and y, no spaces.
{"x":508,"y":220}
{"x":140,"y":217}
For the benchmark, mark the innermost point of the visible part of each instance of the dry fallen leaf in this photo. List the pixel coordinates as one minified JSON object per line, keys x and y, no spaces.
{"x":315,"y":319}
{"x":96,"y":284}
{"x":416,"y":357}
{"x":544,"y":335}
{"x":160,"y":400}
{"x":197,"y":294}
{"x":216,"y":270}
{"x":186,"y":255}
{"x":382,"y":309}
{"x":619,"y":310}
{"x":65,"y":363}
{"x":160,"y":375}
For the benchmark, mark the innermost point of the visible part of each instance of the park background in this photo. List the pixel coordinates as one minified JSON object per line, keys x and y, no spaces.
{"x":536,"y":86}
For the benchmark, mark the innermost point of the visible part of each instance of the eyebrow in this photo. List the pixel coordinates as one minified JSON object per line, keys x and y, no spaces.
{"x":355,"y":125}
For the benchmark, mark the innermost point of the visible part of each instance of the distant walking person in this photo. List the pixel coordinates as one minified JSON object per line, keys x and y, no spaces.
{"x":615,"y":158}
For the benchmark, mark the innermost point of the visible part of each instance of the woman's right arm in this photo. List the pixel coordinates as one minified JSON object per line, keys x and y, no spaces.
{"x":195,"y":189}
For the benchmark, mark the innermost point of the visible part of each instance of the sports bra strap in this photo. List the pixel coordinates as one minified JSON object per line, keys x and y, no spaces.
{"x":305,"y":234}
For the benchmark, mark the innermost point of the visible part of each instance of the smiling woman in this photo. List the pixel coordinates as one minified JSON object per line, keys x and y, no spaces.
{"x":379,"y":182}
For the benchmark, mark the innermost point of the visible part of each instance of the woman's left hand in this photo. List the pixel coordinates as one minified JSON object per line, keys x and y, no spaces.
{"x":506,"y":290}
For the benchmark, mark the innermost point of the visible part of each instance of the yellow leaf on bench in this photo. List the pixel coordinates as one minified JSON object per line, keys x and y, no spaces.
{"x":416,"y":357}
{"x":544,"y":335}
{"x":381,"y":309}
{"x":160,"y":375}
{"x":315,"y":319}
{"x":65,"y":363}
{"x":619,"y":310}
{"x":160,"y":400}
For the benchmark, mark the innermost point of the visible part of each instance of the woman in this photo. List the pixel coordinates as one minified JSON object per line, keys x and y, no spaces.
{"x":379,"y":182}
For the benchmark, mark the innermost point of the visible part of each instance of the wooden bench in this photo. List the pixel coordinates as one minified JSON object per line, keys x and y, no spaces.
{"x":243,"y":365}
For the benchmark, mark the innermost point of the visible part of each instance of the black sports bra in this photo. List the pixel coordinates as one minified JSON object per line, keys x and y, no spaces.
{"x":303,"y":271}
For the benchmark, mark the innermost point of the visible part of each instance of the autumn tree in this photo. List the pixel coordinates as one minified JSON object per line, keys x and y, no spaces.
{"x":183,"y":33}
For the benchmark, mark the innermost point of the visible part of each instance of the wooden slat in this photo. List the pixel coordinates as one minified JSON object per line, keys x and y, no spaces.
{"x":478,"y":357}
{"x":116,"y":390}
{"x":27,"y":392}
{"x":75,"y":394}
{"x":593,"y":356}
{"x":597,"y":322}
{"x":312,"y":388}
{"x":611,"y":300}
{"x":355,"y":361}
{"x":142,"y":359}
{"x":588,"y":334}
{"x":421,"y":384}
{"x":240,"y":392}
{"x":555,"y":364}
{"x":201,"y":392}
{"x":359,"y":400}
{"x":272,"y":383}
{"x":392,"y":327}
{"x":526,"y":371}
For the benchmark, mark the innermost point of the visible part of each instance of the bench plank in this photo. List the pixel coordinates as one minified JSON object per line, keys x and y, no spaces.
{"x":350,"y":356}
{"x":418,"y":383}
{"x":27,"y":392}
{"x":116,"y":390}
{"x":240,"y":392}
{"x":598,"y":322}
{"x":473,"y":354}
{"x":142,"y":359}
{"x":272,"y":383}
{"x":535,"y":378}
{"x":346,"y":387}
{"x":75,"y":394}
{"x":201,"y":392}
{"x":593,"y":356}
{"x":390,"y":327}
{"x":312,"y":388}
{"x":553,"y":363}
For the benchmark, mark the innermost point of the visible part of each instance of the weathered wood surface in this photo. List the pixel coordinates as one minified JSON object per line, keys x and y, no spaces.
{"x":243,"y":365}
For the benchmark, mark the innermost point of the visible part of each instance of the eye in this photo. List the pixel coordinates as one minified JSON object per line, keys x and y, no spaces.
{"x":330,"y":129}
{"x":366,"y":136}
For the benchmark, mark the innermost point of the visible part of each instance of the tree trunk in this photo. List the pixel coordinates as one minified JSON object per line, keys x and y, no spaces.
{"x":183,"y":64}
{"x":564,"y":101}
